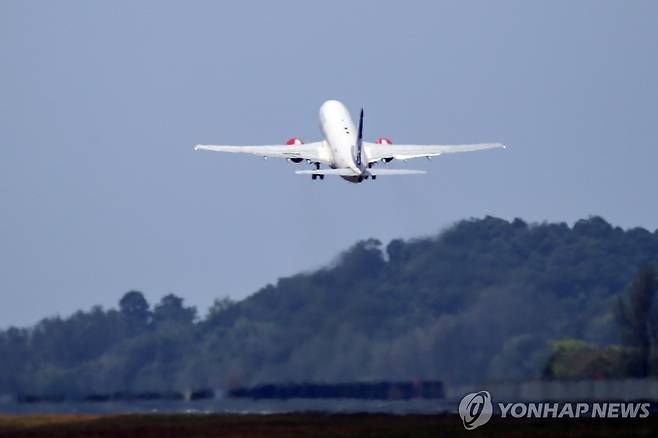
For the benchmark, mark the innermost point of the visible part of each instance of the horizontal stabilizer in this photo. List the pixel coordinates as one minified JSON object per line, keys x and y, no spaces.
{"x":350,"y":172}
{"x":384,"y":172}
{"x":337,"y":172}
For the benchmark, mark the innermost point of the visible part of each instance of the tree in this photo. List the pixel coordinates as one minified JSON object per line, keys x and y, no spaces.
{"x":219,"y":306}
{"x":638,"y":320}
{"x":134,"y":310}
{"x":573,"y":359}
{"x":222,"y":310}
{"x":170,"y":308}
{"x":395,"y":250}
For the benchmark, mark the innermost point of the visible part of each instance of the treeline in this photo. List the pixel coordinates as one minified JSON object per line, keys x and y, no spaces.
{"x":484,"y":299}
{"x":636,"y":356}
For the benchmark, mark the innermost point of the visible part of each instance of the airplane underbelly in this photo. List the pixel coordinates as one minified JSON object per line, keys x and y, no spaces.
{"x":342,"y":161}
{"x":353,"y":179}
{"x":342,"y":152}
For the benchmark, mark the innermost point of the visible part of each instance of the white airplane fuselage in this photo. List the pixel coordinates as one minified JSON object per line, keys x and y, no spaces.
{"x":340,"y":135}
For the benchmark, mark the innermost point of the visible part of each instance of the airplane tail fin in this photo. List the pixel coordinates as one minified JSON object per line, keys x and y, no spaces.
{"x":359,"y":140}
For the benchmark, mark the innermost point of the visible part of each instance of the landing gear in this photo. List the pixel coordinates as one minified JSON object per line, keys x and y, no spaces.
{"x":374,"y":177}
{"x":317,"y":167}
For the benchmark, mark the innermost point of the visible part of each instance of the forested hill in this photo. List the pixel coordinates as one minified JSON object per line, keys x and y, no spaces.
{"x":479,"y":301}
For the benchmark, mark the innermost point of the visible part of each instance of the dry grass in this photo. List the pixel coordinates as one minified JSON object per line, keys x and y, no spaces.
{"x":306,"y":425}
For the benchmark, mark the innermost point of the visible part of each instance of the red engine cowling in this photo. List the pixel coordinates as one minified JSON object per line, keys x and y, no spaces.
{"x":384,"y":140}
{"x":295,"y":141}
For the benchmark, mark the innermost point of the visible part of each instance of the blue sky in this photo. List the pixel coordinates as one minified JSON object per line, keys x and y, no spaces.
{"x":102,"y":102}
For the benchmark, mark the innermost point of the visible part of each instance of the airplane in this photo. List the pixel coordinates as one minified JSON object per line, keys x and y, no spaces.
{"x":344,"y":151}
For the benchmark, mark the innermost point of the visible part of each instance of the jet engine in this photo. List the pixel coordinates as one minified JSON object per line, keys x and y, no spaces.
{"x":384,"y":140}
{"x":294,"y":141}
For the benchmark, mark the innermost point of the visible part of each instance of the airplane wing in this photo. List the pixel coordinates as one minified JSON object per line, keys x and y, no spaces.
{"x":309,"y":151}
{"x":376,"y":152}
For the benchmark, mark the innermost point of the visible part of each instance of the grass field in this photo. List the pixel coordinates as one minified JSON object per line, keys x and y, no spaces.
{"x":308,"y":425}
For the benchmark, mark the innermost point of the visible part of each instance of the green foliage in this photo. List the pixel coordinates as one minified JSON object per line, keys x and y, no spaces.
{"x":576,"y":360}
{"x":638,"y":320}
{"x":134,"y":311}
{"x":482,"y":300}
{"x":171,"y":309}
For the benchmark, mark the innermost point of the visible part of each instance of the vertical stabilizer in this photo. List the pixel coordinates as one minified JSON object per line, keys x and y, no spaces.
{"x":359,"y":140}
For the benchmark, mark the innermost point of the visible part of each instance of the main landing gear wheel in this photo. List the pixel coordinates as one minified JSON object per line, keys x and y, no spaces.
{"x":314,"y":177}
